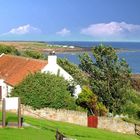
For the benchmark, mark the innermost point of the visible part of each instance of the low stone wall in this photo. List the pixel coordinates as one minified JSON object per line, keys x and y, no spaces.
{"x":74,"y":117}
{"x":116,"y":125}
{"x":80,"y":118}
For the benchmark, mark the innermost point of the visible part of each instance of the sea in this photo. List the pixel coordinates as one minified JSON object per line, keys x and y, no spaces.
{"x":130,"y":51}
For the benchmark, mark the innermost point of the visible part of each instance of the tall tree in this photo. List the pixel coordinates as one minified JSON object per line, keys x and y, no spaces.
{"x":80,"y":77}
{"x":109,"y":76}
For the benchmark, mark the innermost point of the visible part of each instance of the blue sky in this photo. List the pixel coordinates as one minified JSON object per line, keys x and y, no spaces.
{"x":70,"y":20}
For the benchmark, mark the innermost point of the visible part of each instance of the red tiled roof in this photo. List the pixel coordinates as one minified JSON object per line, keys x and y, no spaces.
{"x":14,"y":69}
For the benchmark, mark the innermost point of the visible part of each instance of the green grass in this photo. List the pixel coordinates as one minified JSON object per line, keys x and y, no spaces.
{"x":30,"y":45}
{"x":45,"y":130}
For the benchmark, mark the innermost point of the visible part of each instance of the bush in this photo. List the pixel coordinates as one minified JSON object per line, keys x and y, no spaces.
{"x":87,"y":99}
{"x":132,"y":107}
{"x":8,"y":50}
{"x":33,"y":54}
{"x":42,"y":90}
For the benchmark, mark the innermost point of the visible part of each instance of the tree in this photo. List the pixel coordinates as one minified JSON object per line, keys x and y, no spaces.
{"x":109,"y":76}
{"x":41,"y":90}
{"x":89,"y":100}
{"x":80,"y":77}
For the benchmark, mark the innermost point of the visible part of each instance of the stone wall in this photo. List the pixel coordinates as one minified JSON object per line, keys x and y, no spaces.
{"x":74,"y":117}
{"x":80,"y":118}
{"x":116,"y":125}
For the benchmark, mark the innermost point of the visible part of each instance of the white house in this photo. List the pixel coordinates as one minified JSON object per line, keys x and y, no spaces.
{"x":13,"y":69}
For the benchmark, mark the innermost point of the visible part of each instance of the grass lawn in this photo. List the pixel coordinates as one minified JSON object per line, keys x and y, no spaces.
{"x":26,"y":45}
{"x":41,"y":129}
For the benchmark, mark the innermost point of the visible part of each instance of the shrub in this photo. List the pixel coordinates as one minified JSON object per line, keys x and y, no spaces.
{"x":8,"y":50}
{"x":132,"y":107}
{"x":89,"y":100}
{"x":41,"y":90}
{"x":33,"y":54}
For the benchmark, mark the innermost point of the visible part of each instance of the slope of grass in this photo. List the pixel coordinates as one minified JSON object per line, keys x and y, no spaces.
{"x":41,"y":129}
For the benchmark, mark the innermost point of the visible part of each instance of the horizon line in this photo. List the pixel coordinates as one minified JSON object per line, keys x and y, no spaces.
{"x":66,"y":41}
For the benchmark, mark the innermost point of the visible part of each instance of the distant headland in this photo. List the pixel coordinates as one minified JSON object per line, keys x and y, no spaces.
{"x":43,"y":46}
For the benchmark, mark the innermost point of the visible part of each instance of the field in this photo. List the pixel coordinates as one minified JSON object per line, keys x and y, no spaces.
{"x":40,"y":129}
{"x":41,"y":46}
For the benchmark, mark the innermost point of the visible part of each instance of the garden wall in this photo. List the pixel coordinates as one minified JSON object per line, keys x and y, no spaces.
{"x":80,"y":118}
{"x":74,"y":117}
{"x":116,"y":125}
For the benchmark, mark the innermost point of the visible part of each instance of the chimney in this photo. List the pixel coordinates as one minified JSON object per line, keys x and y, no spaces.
{"x":52,"y":58}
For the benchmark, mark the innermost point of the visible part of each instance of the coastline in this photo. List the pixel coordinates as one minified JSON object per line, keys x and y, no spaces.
{"x":45,"y":47}
{"x":131,"y":54}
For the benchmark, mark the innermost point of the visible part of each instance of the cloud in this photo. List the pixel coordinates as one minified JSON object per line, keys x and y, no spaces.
{"x":112,"y":30}
{"x":64,"y":32}
{"x":22,"y":30}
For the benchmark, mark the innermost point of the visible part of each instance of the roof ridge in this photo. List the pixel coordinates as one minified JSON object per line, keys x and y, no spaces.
{"x":26,"y":58}
{"x":2,"y":54}
{"x":14,"y":68}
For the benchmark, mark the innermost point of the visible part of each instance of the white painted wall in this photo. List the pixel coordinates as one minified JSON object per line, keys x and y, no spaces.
{"x":4,"y":88}
{"x":9,"y":89}
{"x":54,"y":68}
{"x":77,"y":90}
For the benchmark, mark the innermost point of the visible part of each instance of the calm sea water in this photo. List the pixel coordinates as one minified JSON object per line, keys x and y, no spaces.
{"x":131,"y":55}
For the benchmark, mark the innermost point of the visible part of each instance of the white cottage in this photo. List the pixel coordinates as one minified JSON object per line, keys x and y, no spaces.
{"x":13,"y":69}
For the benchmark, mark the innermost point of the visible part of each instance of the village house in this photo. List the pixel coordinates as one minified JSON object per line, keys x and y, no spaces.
{"x":13,"y":69}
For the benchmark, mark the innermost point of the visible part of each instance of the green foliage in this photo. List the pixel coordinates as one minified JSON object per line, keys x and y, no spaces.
{"x":132,"y":107}
{"x":8,"y":50}
{"x":89,"y":100}
{"x":33,"y":54}
{"x":135,"y":81}
{"x":109,"y":77}
{"x":79,"y":76}
{"x":41,"y":90}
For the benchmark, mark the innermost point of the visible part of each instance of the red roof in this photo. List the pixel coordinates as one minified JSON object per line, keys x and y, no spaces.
{"x":13,"y":69}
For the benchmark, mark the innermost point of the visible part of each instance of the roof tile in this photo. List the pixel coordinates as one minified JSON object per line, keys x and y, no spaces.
{"x":13,"y":69}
